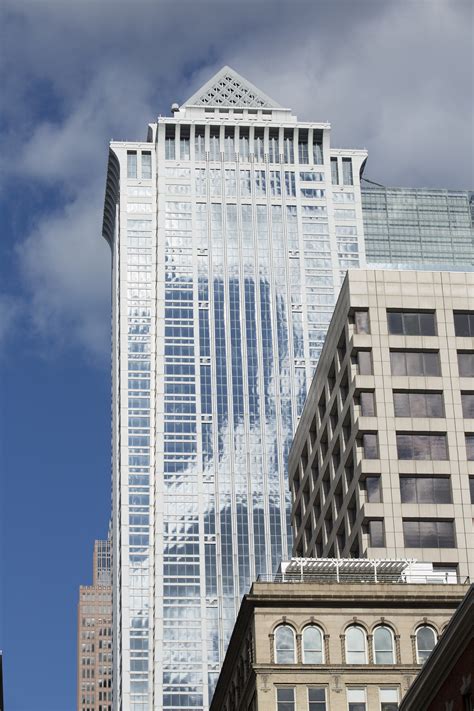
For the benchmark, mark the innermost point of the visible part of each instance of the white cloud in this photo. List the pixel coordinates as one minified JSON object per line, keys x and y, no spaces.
{"x":65,"y":267}
{"x":393,"y":77}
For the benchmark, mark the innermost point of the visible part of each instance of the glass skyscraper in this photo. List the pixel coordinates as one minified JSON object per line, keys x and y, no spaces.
{"x":418,"y":227}
{"x":231,"y":228}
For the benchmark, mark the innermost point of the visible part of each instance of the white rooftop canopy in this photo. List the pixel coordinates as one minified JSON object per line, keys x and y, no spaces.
{"x":362,"y":570}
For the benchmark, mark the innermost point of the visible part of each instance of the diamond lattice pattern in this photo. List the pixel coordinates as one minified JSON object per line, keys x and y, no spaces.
{"x":229,"y":91}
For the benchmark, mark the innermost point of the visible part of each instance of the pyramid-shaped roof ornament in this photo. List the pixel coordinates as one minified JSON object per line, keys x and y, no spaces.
{"x":230,"y":90}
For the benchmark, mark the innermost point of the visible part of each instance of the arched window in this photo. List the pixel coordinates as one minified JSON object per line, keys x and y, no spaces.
{"x":312,"y":645}
{"x":383,"y":645}
{"x":284,"y":645}
{"x":425,"y":642}
{"x":356,"y":651}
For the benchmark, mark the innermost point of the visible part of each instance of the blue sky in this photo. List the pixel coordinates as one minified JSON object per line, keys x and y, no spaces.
{"x":393,"y":77}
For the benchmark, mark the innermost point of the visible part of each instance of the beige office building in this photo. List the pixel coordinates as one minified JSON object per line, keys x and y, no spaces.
{"x":94,"y":638}
{"x":382,"y":463}
{"x":331,"y":634}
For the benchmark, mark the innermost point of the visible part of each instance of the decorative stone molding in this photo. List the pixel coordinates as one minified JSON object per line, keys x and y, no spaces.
{"x":398,"y":655}
{"x":370,"y":648}
{"x":327,"y":659}
{"x":272,"y":648}
{"x":299,"y":649}
{"x":413,"y":648}
{"x":342,"y":637}
{"x":336,"y":687}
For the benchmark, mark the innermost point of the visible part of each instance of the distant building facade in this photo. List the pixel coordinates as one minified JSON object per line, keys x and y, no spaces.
{"x":94,"y":638}
{"x":313,"y":644}
{"x":382,"y":462}
{"x":447,"y":679}
{"x":408,"y":227}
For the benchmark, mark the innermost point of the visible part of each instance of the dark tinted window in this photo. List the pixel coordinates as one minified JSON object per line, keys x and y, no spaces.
{"x":428,"y":534}
{"x":464,"y":323}
{"x":418,"y":404}
{"x":286,"y":699}
{"x":364,"y":362}
{"x":411,"y":323}
{"x":471,"y":488}
{"x":370,"y":445}
{"x":466,"y":364}
{"x":467,"y":400}
{"x":425,"y":490}
{"x":422,"y":446}
{"x":367,"y":404}
{"x":376,"y":535}
{"x":415,"y":363}
{"x":374,"y":492}
{"x":470,"y":447}
{"x":317,"y":699}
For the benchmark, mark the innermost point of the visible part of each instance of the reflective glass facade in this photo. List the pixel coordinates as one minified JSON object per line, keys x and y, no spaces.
{"x":428,"y":228}
{"x":230,"y":241}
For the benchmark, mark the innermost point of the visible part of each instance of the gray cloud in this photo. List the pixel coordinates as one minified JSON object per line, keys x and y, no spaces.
{"x":391,"y":76}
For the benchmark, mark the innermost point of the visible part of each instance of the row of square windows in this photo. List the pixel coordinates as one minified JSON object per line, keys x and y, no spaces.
{"x":316,"y":699}
{"x":404,"y":362}
{"x":260,"y":142}
{"x":420,"y":489}
{"x":416,"y":323}
{"x":417,"y":533}
{"x":423,"y":446}
{"x":258,"y":149}
{"x":406,"y":403}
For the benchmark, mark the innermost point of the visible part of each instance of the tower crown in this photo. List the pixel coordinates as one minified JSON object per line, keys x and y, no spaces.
{"x":228,"y":89}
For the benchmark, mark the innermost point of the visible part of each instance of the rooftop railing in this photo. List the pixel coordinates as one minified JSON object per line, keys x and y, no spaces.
{"x":360,"y":571}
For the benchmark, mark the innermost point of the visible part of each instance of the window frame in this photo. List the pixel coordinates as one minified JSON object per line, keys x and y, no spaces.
{"x":350,"y":703}
{"x":280,"y":626}
{"x":424,"y":543}
{"x":383,"y":702}
{"x":405,"y":317}
{"x":470,"y":323}
{"x":392,"y":639}
{"x":317,"y":705}
{"x":467,"y":404}
{"x":312,"y":626}
{"x":285,"y":701}
{"x":412,"y":447}
{"x":408,"y":408}
{"x":415,"y":352}
{"x":373,"y":541}
{"x":364,"y":636}
{"x":418,"y":494}
{"x":469,"y":444}
{"x":435,"y":633}
{"x":132,"y":165}
{"x":462,"y":374}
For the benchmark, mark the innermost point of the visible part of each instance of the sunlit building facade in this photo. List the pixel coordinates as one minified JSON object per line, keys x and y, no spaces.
{"x":382,"y":462}
{"x":231,"y":229}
